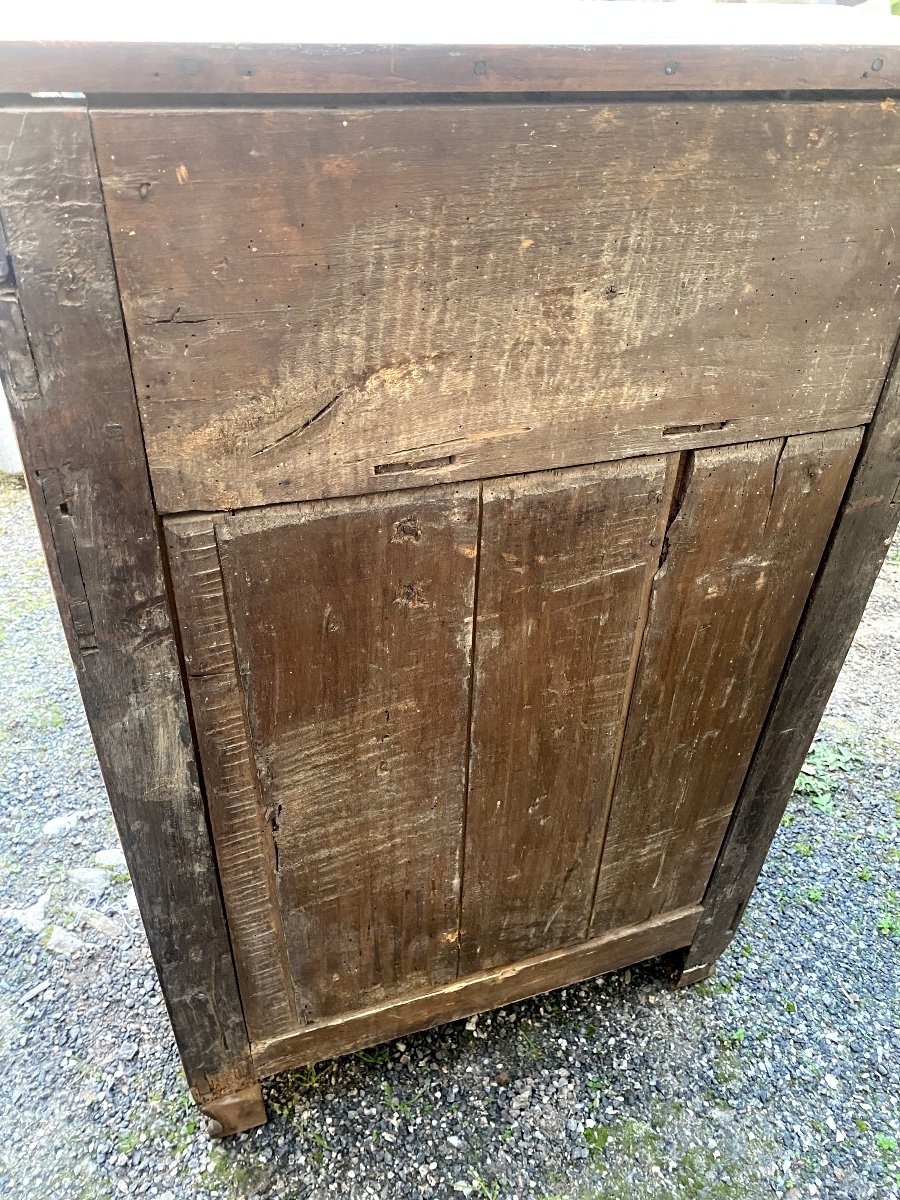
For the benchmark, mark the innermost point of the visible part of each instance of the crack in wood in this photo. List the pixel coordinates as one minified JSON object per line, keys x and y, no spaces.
{"x":298,"y":429}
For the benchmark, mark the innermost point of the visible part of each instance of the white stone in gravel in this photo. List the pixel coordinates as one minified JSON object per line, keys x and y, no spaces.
{"x":131,"y":900}
{"x":100,"y":922}
{"x":93,"y":879}
{"x":113,"y":859}
{"x":31,"y":919}
{"x":63,"y":824}
{"x":64,"y":942}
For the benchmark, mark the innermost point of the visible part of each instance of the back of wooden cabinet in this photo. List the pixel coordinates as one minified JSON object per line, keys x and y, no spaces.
{"x":497,"y":447}
{"x":448,"y":729}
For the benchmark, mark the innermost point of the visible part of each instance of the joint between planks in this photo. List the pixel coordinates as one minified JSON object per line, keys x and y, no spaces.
{"x":469,"y":721}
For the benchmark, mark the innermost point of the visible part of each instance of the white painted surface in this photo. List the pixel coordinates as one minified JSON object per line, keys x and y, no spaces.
{"x":9,"y":450}
{"x":461,"y":22}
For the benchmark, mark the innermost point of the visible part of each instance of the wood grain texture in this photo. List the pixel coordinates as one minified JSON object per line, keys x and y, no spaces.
{"x":332,"y":302}
{"x":67,"y":376}
{"x":241,"y":835}
{"x":866,"y":524}
{"x":476,"y":993}
{"x":170,"y":69}
{"x":741,"y":554}
{"x":566,"y":562}
{"x":352,"y":626}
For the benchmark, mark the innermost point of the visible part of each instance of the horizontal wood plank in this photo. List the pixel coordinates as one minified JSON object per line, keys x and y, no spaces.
{"x":171,"y":69}
{"x":346,"y":304}
{"x":476,"y":993}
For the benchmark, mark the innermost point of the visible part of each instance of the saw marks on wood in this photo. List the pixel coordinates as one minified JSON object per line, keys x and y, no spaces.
{"x":334,"y":302}
{"x":243,"y":848}
{"x":352,"y":627}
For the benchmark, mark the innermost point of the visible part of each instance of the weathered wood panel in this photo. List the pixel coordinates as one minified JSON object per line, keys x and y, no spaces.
{"x":242,"y":838}
{"x":73,"y":402}
{"x":476,"y":993}
{"x":170,"y":69}
{"x":741,"y":554}
{"x":566,"y":562}
{"x":865,"y":526}
{"x":352,"y":626}
{"x":331,"y":302}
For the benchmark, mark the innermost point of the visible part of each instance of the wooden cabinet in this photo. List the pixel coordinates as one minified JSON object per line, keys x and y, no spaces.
{"x":459,"y":511}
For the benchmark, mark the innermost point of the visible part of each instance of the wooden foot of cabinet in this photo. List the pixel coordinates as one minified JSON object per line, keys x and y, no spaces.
{"x":236,"y":1112}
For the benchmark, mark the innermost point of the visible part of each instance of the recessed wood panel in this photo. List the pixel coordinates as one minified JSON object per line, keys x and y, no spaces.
{"x":332,"y":302}
{"x":566,"y":563}
{"x":352,"y":632}
{"x":740,"y":557}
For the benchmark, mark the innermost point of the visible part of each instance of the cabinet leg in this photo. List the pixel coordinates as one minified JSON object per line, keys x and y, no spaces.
{"x":684,"y":970}
{"x":685,"y":976}
{"x":235,"y":1112}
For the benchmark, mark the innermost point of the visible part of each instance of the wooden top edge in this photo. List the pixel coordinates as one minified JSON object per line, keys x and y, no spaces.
{"x":61,"y":69}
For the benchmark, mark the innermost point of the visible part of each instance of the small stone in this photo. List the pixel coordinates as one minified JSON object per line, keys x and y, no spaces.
{"x":64,"y":942}
{"x":92,"y":879}
{"x":454,"y":1141}
{"x":113,"y":859}
{"x":128,"y":1051}
{"x":58,"y":825}
{"x":100,"y":922}
{"x":32,"y":918}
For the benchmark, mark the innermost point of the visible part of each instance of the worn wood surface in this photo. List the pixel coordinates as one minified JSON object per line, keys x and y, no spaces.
{"x":243,"y":844}
{"x":741,"y":552}
{"x":566,"y":561}
{"x":475,"y":993}
{"x":352,"y":627}
{"x":330,"y":302}
{"x":866,"y":524}
{"x":169,"y":70}
{"x":73,"y":402}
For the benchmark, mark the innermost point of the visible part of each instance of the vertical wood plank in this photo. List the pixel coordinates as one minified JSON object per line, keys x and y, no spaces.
{"x":243,"y":844}
{"x":68,"y":378}
{"x":865,"y":526}
{"x":741,"y":555}
{"x":352,"y":624}
{"x":567,"y":559}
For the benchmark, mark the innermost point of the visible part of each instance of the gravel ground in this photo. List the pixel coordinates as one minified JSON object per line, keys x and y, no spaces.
{"x":779,"y":1077}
